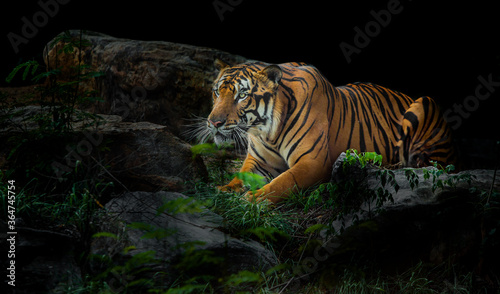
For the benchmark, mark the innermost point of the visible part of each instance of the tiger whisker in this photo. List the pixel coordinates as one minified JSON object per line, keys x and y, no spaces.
{"x":240,"y":139}
{"x":198,"y":130}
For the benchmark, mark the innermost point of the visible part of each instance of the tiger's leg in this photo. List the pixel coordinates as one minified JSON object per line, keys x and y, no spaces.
{"x":425,"y":136}
{"x":249,"y":165}
{"x":306,"y":173}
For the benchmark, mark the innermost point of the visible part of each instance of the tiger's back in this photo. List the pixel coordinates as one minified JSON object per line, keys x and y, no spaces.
{"x":370,"y":120}
{"x":362,"y":116}
{"x":374,"y":120}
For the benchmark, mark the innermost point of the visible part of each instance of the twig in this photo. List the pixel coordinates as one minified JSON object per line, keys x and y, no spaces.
{"x":106,"y":170}
{"x":494,"y":173}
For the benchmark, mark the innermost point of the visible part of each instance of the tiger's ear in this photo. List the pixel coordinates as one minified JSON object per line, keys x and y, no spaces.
{"x":273,"y":73}
{"x":220,"y":65}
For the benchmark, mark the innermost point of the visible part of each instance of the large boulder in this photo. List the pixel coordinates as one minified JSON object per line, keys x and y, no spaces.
{"x":148,"y":157}
{"x":179,"y":236}
{"x":154,"y":81}
{"x":432,"y":217}
{"x":135,"y":155}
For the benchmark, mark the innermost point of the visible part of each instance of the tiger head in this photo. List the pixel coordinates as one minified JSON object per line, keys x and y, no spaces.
{"x":244,"y":101}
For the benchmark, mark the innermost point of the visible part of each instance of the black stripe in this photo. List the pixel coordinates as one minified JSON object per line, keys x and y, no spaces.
{"x":298,"y":141}
{"x":411,"y":117}
{"x":311,"y":149}
{"x":362,"y":144}
{"x":257,"y":153}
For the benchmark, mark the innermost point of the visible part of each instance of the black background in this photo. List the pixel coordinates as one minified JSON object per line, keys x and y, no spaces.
{"x":431,"y":49}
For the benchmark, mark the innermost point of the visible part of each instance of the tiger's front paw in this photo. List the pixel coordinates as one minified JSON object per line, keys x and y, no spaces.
{"x":229,"y":189}
{"x":259,"y":196}
{"x":234,"y":186}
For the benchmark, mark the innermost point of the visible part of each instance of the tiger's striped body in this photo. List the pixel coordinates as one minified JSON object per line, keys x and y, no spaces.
{"x":297,"y":124}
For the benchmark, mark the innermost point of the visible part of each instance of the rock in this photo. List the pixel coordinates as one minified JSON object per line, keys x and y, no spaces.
{"x":160,"y":82}
{"x":148,"y":157}
{"x":423,"y":223}
{"x":138,"y":156}
{"x":199,"y":231}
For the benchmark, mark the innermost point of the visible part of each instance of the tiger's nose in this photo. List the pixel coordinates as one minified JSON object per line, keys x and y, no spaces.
{"x":217,"y":124}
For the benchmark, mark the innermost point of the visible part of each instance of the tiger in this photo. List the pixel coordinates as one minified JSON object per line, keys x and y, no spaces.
{"x":295,"y":124}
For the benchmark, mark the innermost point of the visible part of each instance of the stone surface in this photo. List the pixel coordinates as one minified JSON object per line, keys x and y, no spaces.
{"x":140,"y":156}
{"x":420,"y":224}
{"x":154,"y":81}
{"x":200,"y":229}
{"x":148,"y":157}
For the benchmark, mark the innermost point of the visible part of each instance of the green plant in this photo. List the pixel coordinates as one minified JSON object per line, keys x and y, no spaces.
{"x":217,"y":159}
{"x":136,"y":273}
{"x":72,"y":207}
{"x":451,"y":181}
{"x":196,"y":270}
{"x":58,"y":97}
{"x":412,"y":178}
{"x":241,"y":215}
{"x":251,"y":180}
{"x":347,"y":195}
{"x":44,"y":134}
{"x":364,"y":158}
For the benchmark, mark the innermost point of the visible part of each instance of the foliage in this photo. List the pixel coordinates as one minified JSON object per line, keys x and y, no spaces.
{"x":450,"y":182}
{"x":38,"y":138}
{"x":217,"y":161}
{"x":242,"y":216}
{"x":251,"y":180}
{"x":59,"y":95}
{"x":130,"y":274}
{"x":354,"y":157}
{"x":43,"y":135}
{"x":347,"y":196}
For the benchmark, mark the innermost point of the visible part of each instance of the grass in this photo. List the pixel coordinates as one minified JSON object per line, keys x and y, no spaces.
{"x":291,"y":230}
{"x":301,"y":219}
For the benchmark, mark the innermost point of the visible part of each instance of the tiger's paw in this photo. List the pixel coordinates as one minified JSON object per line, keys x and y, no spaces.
{"x":231,"y":188}
{"x":259,"y":196}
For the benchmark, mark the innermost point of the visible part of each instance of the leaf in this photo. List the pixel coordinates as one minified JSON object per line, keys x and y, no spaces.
{"x":396,"y":187}
{"x":255,"y":181}
{"x":27,"y":70}
{"x":383,"y":178}
{"x":315,"y":228}
{"x":204,"y":149}
{"x":181,"y":205}
{"x":26,"y":65}
{"x":277,"y":268}
{"x":141,"y":226}
{"x":128,"y":249}
{"x":152,"y":231}
{"x":158,"y":233}
{"x":267,"y":234}
{"x":105,"y":234}
{"x":244,"y":277}
{"x":426,"y":174}
{"x":46,"y":74}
